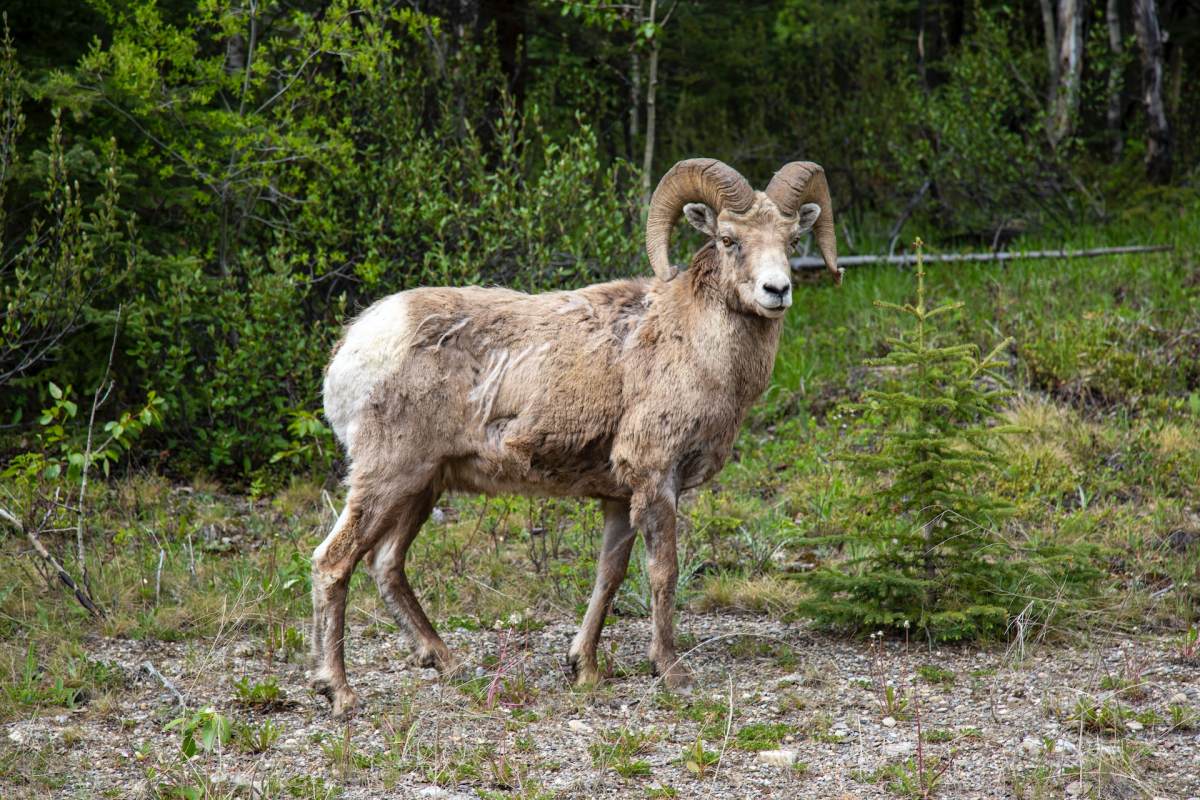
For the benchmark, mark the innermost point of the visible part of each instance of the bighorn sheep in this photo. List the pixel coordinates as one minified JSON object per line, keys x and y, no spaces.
{"x":629,"y":392}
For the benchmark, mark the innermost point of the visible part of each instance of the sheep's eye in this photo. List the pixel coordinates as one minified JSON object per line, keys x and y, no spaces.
{"x":725,"y":240}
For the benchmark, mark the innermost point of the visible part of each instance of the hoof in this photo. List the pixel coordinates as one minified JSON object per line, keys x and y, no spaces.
{"x":440,"y":659}
{"x":345,"y":702}
{"x":322,"y":686}
{"x":584,"y":670}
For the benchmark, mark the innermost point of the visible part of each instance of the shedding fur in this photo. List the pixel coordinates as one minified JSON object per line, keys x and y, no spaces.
{"x":630,"y":392}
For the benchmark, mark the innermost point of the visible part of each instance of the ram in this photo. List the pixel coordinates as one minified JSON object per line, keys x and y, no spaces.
{"x":629,"y":392}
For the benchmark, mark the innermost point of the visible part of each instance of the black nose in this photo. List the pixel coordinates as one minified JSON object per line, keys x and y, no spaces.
{"x":777,"y":290}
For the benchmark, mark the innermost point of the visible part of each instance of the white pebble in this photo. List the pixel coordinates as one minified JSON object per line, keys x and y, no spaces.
{"x":777,"y":758}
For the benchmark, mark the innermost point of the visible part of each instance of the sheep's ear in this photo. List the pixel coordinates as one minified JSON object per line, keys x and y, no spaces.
{"x":808,"y":216}
{"x":701,"y":217}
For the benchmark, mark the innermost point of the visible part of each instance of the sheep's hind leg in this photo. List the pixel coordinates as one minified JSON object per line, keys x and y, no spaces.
{"x":610,"y":571}
{"x":358,"y":528}
{"x":386,"y":565}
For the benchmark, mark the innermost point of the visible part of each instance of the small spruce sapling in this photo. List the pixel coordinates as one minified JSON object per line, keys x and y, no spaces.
{"x":930,"y":556}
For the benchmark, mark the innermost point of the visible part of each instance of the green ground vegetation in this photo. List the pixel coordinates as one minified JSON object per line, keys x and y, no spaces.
{"x":1107,"y":458}
{"x":187,"y":221}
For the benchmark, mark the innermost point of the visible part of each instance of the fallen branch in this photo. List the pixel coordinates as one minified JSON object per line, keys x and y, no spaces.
{"x":149,"y":669}
{"x":804,"y":263}
{"x":81,"y":594}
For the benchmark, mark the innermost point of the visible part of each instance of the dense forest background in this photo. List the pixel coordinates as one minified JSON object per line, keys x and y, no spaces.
{"x":195,"y":195}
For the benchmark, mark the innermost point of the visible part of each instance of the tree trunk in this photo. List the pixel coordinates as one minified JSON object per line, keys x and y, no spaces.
{"x":1150,"y":42}
{"x":1115,"y":70}
{"x":1051,"y":38}
{"x":635,"y":98}
{"x":1070,"y":70}
{"x":651,"y":89}
{"x":924,"y":78}
{"x":1175,"y":93}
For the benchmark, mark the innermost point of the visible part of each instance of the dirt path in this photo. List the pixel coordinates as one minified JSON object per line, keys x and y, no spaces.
{"x":1016,"y":727}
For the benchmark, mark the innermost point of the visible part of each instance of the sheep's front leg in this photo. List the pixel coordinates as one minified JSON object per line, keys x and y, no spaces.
{"x":654,"y":515}
{"x":610,"y":571}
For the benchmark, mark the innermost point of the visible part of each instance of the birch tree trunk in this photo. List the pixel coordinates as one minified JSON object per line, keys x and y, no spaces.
{"x":1051,"y":38}
{"x":1070,"y":70}
{"x":1150,"y":42}
{"x":651,"y":90}
{"x":1113,"y":115}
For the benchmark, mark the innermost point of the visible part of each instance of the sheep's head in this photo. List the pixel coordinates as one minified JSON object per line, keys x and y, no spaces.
{"x":752,"y":232}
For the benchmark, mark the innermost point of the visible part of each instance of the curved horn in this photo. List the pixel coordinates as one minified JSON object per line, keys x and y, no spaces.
{"x":803,"y":182}
{"x":694,"y":180}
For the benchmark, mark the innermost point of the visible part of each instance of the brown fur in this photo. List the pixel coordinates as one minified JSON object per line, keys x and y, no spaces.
{"x":630,"y":392}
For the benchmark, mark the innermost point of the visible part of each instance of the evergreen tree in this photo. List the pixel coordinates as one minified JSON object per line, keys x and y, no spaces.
{"x":931,"y":557}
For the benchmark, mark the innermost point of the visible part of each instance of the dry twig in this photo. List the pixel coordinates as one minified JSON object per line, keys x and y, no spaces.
{"x":81,"y":594}
{"x":150,"y":670}
{"x":97,"y":401}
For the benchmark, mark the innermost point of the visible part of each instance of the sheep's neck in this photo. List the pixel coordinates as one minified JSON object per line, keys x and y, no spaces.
{"x":733,"y":351}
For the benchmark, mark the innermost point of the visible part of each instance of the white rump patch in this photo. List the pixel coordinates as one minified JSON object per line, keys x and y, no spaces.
{"x":372,"y":350}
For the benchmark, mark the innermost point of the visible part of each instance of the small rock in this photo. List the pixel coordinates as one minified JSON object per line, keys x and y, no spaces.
{"x":1077,"y":789}
{"x":1134,"y":725}
{"x":579,"y":726}
{"x":1031,"y":746}
{"x":433,"y":791}
{"x":438,"y":515}
{"x":16,"y":736}
{"x":889,"y":722}
{"x":242,"y":784}
{"x":1065,"y":746}
{"x":1178,"y":699}
{"x":898,"y":749}
{"x":777,"y":758}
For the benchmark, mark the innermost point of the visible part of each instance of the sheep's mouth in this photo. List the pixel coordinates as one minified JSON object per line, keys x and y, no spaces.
{"x":773,"y":308}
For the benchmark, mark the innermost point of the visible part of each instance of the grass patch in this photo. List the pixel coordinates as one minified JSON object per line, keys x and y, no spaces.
{"x":762,"y":735}
{"x":619,"y":750}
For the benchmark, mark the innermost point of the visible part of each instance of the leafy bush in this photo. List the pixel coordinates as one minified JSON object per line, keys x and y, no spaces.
{"x":291,"y":167}
{"x":62,"y":261}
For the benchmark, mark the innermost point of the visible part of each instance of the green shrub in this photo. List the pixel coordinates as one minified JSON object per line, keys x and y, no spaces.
{"x":932,"y":559}
{"x":65,"y":250}
{"x":345,"y":156}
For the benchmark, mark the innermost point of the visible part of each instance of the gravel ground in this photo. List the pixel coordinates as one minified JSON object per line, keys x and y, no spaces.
{"x":1009,"y":719}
